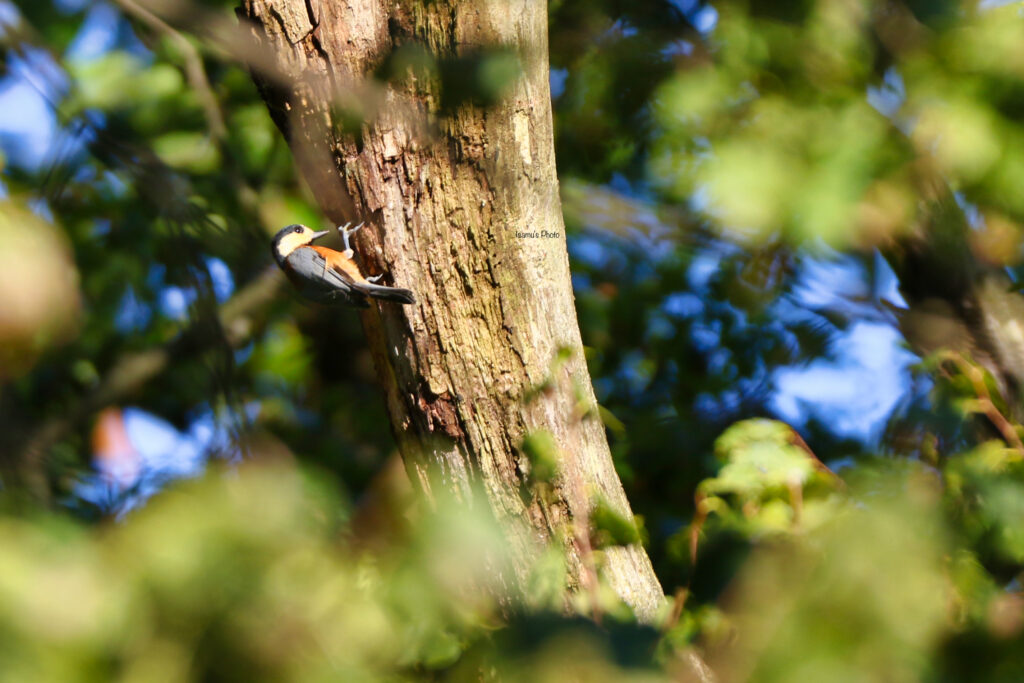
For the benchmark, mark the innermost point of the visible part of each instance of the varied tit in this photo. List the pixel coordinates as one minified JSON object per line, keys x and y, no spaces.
{"x":328,"y":276}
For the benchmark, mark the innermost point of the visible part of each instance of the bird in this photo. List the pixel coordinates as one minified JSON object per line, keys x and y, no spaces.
{"x":328,"y":276}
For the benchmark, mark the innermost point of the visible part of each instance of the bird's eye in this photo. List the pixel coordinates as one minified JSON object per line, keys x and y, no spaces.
{"x":298,"y":228}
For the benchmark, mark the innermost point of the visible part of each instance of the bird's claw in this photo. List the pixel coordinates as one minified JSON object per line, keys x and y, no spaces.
{"x":346,"y":234}
{"x":375,"y":278}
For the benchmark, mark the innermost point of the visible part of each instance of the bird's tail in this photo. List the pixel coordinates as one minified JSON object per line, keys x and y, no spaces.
{"x":401,"y":296}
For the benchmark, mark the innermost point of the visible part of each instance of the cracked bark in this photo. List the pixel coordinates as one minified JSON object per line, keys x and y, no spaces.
{"x":444,"y":195}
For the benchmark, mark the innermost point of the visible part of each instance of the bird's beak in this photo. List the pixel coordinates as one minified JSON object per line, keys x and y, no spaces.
{"x":318,"y":235}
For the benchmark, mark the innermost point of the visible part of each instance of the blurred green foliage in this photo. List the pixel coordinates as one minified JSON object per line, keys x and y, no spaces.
{"x":263,"y":572}
{"x":712,"y":155}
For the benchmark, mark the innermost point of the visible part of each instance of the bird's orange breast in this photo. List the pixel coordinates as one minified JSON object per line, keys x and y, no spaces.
{"x":340,"y":263}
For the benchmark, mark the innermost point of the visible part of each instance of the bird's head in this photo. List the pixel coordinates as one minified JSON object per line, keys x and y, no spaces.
{"x":291,"y":238}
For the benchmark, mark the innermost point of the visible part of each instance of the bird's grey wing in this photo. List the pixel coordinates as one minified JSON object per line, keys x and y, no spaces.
{"x":320,"y":283}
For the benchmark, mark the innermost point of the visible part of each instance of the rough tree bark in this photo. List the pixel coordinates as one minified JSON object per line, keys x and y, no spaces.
{"x":444,"y":195}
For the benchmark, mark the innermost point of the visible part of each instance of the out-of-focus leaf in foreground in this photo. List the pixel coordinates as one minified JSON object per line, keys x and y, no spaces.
{"x":864,"y":597}
{"x":255,"y":574}
{"x":38,"y":288}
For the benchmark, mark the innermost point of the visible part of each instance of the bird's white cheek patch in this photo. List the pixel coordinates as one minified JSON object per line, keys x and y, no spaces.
{"x":290,"y":243}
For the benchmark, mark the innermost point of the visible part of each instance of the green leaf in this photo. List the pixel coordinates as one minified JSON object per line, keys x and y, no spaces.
{"x":610,"y":527}
{"x":758,"y":456}
{"x":542,"y":452}
{"x":188,"y":151}
{"x":118,"y":79}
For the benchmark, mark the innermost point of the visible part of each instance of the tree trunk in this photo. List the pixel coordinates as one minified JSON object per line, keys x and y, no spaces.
{"x":480,"y":361}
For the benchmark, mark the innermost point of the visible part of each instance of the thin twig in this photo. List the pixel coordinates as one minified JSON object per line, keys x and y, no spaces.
{"x":984,"y":403}
{"x":194,"y":70}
